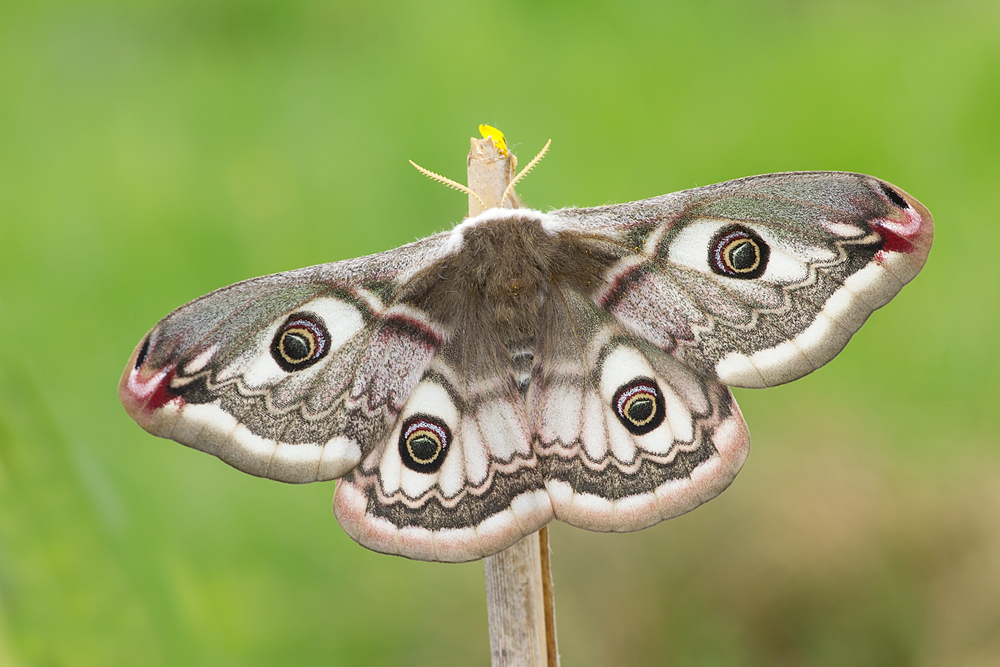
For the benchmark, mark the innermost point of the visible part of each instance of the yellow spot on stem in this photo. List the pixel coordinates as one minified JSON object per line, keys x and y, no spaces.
{"x":496,"y":135}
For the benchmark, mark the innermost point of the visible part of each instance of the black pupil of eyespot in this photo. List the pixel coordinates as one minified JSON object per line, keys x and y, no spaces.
{"x":641,"y":409}
{"x":424,"y":448}
{"x":295,"y":345}
{"x":744,"y":255}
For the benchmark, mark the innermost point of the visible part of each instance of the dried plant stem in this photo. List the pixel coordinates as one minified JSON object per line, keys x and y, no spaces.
{"x":520,"y":605}
{"x":519,"y":598}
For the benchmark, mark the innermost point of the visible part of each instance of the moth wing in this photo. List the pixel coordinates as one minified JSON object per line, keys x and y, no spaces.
{"x":226,"y":373}
{"x":627,"y":435}
{"x":760,"y":280}
{"x":471,"y":497}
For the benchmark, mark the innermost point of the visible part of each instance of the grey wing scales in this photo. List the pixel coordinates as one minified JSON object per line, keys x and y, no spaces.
{"x":291,"y":376}
{"x":761,"y":280}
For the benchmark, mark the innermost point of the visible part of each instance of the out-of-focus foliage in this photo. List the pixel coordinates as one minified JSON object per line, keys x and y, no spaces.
{"x":153,"y":151}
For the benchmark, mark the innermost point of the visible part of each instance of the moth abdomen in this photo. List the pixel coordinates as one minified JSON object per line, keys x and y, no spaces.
{"x":497,"y":277}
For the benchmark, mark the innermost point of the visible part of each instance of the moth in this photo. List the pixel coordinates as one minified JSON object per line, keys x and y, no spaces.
{"x":468,"y":388}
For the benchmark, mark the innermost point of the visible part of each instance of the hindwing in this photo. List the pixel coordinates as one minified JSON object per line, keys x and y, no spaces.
{"x":627,"y":434}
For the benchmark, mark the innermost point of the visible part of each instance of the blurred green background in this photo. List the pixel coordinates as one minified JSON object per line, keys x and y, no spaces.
{"x":153,"y":151}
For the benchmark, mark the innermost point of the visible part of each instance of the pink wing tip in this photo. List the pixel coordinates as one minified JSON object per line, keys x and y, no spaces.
{"x":143,"y":390}
{"x":910,"y":227}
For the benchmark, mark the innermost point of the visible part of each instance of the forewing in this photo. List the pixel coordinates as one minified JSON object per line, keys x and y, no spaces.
{"x":761,"y":280}
{"x":292,"y":376}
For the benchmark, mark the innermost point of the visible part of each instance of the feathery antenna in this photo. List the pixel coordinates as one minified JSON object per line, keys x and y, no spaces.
{"x":524,"y":172}
{"x":447,"y":181}
{"x":500,"y":143}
